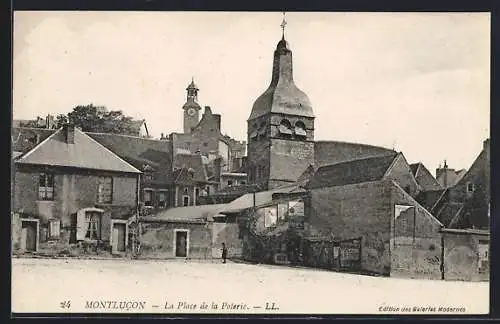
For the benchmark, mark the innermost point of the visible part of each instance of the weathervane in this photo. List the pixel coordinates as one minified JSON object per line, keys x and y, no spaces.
{"x":283,"y":25}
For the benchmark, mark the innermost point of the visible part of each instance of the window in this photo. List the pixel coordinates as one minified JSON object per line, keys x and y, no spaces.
{"x":162,"y":199}
{"x":470,"y":187}
{"x":205,"y":144}
{"x":197,"y":192}
{"x":54,"y":228}
{"x":93,"y":223}
{"x":105,"y":190}
{"x":300,"y":129}
{"x":148,"y":176}
{"x":148,"y":197}
{"x":208,"y":190}
{"x":229,"y":182}
{"x":243,"y":182}
{"x":185,"y":201}
{"x":46,"y":186}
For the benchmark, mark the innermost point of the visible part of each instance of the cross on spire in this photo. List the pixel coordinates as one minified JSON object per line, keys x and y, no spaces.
{"x":283,"y":25}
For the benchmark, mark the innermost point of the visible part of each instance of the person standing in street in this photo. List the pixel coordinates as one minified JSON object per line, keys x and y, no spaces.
{"x":224,"y":252}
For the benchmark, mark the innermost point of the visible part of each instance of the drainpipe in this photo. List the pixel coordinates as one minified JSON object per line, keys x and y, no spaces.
{"x":442,"y":257}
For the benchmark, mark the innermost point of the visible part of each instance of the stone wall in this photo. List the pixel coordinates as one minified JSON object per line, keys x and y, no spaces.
{"x":157,"y":240}
{"x":352,"y":211}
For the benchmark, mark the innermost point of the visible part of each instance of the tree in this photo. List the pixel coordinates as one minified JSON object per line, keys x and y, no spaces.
{"x":98,"y":119}
{"x":61,"y":119}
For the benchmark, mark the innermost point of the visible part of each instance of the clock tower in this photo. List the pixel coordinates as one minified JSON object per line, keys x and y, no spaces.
{"x":191,"y":108}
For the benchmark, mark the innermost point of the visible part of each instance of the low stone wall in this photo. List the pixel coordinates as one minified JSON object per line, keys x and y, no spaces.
{"x":417,"y":260}
{"x":157,"y":240}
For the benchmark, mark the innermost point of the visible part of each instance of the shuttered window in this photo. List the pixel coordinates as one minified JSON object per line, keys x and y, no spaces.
{"x":105,"y":190}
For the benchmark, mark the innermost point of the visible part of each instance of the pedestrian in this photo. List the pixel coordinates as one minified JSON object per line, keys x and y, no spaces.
{"x":224,"y":252}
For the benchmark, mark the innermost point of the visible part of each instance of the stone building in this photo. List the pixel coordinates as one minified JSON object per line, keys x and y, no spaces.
{"x":70,"y":190}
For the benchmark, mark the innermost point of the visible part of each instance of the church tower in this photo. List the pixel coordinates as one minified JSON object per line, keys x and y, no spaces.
{"x":191,"y":108}
{"x":280,"y":127}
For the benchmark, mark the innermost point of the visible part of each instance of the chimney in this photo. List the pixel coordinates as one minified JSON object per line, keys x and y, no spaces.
{"x":69,"y":133}
{"x":217,"y":169}
{"x":486,"y":144}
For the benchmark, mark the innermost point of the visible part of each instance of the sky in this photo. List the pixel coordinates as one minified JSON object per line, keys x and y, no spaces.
{"x":415,"y":82}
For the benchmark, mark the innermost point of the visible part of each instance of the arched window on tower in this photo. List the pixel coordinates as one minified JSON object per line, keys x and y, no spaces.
{"x":300,"y":129}
{"x":285,"y":127}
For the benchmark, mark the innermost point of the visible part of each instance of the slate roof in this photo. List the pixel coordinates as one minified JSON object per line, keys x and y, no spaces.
{"x":140,"y":151}
{"x":282,"y":95}
{"x":84,"y":153}
{"x":356,"y":171}
{"x":190,"y":214}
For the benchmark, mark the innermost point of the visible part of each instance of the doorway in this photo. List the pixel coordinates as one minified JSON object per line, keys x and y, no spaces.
{"x":119,"y":237}
{"x":29,"y":235}
{"x":181,"y":243}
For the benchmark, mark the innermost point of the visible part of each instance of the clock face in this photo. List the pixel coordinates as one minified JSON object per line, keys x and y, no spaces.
{"x":191,"y":112}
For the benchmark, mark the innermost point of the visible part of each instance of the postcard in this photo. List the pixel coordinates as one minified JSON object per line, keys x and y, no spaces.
{"x":250,"y":163}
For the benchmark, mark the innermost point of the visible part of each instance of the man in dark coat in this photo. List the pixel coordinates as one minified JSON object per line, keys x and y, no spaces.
{"x":224,"y":252}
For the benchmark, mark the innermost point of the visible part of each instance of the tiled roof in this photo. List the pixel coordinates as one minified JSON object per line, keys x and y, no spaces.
{"x":84,"y":153}
{"x":356,"y":171}
{"x":332,"y":152}
{"x":200,"y":213}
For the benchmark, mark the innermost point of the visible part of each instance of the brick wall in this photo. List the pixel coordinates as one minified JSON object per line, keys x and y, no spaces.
{"x":360,"y":210}
{"x":157,"y":240}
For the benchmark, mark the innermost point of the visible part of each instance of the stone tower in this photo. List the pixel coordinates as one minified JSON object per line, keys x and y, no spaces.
{"x":280,"y":127}
{"x":191,"y":108}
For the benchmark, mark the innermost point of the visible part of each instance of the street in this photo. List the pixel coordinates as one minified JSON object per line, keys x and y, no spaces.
{"x":178,"y":286}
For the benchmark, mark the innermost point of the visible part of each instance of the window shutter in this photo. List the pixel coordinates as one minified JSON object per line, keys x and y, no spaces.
{"x":55,"y":227}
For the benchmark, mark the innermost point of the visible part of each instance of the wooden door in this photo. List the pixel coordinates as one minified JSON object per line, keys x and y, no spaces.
{"x":119,"y":237}
{"x":28,"y":236}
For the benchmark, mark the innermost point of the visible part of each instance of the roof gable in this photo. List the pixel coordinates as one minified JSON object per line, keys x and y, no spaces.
{"x":85,"y":153}
{"x":352,"y":172}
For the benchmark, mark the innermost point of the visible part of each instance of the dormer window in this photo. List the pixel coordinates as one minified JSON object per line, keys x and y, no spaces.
{"x":300,"y":129}
{"x":285,"y":127}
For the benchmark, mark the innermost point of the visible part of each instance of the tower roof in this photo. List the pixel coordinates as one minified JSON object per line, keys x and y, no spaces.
{"x":282,"y":95}
{"x":192,"y":85}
